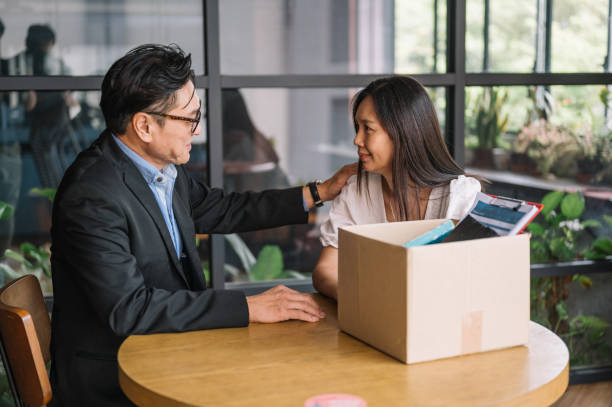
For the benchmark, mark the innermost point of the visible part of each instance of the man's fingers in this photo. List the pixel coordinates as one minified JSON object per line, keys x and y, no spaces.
{"x":304,"y":302}
{"x":301,"y":315}
{"x":281,"y":303}
{"x":305,"y":306}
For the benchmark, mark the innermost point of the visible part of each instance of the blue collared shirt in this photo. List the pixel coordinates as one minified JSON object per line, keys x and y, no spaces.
{"x":162,"y":185}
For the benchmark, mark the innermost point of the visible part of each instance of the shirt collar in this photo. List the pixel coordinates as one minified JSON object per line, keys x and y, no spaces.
{"x":148,"y":170}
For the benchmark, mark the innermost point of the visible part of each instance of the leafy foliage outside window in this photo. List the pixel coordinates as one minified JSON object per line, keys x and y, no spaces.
{"x":490,"y":123}
{"x":29,"y":259}
{"x":584,"y":335}
{"x":562,"y":237}
{"x":268,"y":265}
{"x":6,"y":399}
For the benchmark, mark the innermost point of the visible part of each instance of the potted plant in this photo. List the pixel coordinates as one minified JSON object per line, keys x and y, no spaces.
{"x":560,"y":237}
{"x":27,"y":258}
{"x":489,"y":125}
{"x":546,"y":144}
{"x":595,"y":160}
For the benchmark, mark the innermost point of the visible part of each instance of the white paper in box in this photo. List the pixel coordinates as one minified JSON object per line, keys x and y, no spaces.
{"x":435,"y":301}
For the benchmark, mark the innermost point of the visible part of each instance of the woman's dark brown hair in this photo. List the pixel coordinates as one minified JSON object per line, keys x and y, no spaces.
{"x":421,"y":158}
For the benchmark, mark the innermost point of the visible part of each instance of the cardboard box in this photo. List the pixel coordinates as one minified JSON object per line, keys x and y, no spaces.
{"x":435,"y":301}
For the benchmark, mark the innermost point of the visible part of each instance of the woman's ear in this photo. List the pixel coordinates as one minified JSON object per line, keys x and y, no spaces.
{"x":143,"y":126}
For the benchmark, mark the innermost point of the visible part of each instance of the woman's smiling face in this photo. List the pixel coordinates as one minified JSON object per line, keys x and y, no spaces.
{"x":374,"y":146}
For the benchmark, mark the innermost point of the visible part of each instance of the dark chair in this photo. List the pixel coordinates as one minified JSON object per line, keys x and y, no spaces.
{"x":25,"y":328}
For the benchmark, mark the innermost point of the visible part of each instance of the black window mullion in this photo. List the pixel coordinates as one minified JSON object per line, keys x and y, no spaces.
{"x":485,"y":34}
{"x":530,"y":79}
{"x":547,"y":49}
{"x":607,"y":64}
{"x":323,"y":81}
{"x":214,"y":124}
{"x":455,"y":63}
{"x":23,"y":83}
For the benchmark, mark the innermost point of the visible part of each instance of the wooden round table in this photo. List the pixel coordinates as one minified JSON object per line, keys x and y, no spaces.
{"x":284,"y":364}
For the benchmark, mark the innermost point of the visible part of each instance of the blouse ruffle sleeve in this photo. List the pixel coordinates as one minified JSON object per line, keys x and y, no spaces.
{"x":463,"y":191}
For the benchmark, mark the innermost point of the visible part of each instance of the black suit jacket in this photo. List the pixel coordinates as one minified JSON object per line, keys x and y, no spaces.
{"x":116,"y":272}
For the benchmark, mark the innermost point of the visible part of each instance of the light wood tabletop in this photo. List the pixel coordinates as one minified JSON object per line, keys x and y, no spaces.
{"x":286,"y":363}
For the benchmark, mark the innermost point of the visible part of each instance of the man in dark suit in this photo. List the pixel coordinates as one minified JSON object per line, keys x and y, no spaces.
{"x":125,"y":216}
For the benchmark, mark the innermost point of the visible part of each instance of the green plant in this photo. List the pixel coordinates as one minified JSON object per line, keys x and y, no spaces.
{"x":543,"y":103}
{"x":14,"y":264}
{"x":267,"y":266}
{"x":558,"y":237}
{"x":585,"y":337}
{"x":602,"y":246}
{"x":48,"y":193}
{"x":29,"y":259}
{"x":583,"y":334}
{"x":6,"y":211}
{"x":595,"y":157}
{"x":548,"y":144}
{"x":6,"y":399}
{"x":490,"y":124}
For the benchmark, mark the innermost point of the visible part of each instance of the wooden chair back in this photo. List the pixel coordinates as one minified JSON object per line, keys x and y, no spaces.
{"x":25,"y":328}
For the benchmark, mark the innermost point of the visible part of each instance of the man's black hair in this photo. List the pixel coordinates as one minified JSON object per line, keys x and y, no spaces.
{"x":147,"y":77}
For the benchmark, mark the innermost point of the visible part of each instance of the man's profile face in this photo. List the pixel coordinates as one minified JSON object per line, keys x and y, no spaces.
{"x":171,"y":141}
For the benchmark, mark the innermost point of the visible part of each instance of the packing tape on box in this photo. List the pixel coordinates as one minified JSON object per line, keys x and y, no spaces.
{"x":471,"y":332}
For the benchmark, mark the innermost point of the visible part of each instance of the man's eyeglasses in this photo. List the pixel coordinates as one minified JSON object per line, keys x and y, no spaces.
{"x":194,"y":122}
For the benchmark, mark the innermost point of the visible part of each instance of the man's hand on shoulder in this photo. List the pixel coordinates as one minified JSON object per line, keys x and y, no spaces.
{"x":280,"y":304}
{"x":330,"y":189}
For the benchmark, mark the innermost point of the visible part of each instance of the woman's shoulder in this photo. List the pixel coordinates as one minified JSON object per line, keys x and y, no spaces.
{"x":351,"y":188}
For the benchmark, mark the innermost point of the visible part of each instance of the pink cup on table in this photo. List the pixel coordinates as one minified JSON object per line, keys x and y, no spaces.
{"x":335,"y":400}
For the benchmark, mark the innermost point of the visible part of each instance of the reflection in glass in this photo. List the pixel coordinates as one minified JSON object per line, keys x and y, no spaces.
{"x":40,"y":135}
{"x":332,"y":37}
{"x":276,"y":138}
{"x":88,"y":36}
{"x":41,"y":132}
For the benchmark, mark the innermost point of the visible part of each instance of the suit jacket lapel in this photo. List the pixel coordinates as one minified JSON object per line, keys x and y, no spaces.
{"x":136,"y":183}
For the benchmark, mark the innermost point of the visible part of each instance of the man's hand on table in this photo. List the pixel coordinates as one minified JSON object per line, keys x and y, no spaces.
{"x":280,"y":304}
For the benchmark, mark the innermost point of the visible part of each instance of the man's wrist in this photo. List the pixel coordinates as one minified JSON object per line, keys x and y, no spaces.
{"x":314,"y":192}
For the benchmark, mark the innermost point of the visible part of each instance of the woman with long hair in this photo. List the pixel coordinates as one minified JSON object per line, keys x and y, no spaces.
{"x":405,"y":169}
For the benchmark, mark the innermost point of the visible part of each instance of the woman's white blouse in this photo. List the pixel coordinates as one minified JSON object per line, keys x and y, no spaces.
{"x":452,"y":201}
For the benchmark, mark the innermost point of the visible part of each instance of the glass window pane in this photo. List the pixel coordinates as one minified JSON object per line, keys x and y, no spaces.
{"x":277,"y":138}
{"x":40,"y":135}
{"x":530,"y":141}
{"x":80,"y":37}
{"x":577,"y":308}
{"x":511,"y":47}
{"x":420,"y":36}
{"x":554,"y":140}
{"x":563,"y":129}
{"x":579,"y":35}
{"x":331,"y":37}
